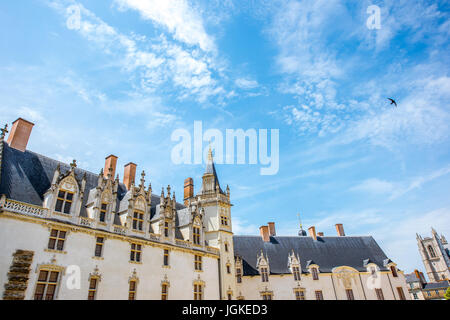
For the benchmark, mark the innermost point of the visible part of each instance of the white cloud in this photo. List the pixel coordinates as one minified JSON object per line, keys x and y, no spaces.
{"x":177,"y":16}
{"x":374,"y":186}
{"x":246,"y":83}
{"x":154,"y":62}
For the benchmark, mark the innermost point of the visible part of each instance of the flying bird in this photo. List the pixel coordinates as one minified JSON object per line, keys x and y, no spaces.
{"x":392,"y":101}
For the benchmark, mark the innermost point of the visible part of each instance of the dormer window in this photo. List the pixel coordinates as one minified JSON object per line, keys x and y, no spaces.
{"x":103,"y":208}
{"x":166,"y":229}
{"x":264,"y":274}
{"x":196,"y":235}
{"x":64,"y":201}
{"x":394,"y":271}
{"x":296,"y":272}
{"x":138,"y":220}
{"x":315,"y":274}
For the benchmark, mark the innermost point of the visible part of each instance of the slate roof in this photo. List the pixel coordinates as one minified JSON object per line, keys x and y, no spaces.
{"x":326,"y":252}
{"x":411,"y":277}
{"x":437,"y":285}
{"x":26,"y":176}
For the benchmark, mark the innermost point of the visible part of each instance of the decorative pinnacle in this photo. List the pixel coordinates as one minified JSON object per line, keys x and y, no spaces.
{"x":4,"y":131}
{"x":142,"y":177}
{"x":210,"y":154}
{"x":299,"y":221}
{"x":73,"y":165}
{"x":168,"y":190}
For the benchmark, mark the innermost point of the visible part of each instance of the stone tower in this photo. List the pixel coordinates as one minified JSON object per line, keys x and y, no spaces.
{"x":218,"y":230}
{"x":435,"y":256}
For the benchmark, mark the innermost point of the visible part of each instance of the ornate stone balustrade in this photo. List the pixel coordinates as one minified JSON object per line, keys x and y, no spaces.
{"x":183,"y":243}
{"x":120,"y":230}
{"x":86,"y":222}
{"x":24,"y":208}
{"x":212,"y":250}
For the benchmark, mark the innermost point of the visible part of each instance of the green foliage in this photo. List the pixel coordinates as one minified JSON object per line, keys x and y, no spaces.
{"x":447,"y":294}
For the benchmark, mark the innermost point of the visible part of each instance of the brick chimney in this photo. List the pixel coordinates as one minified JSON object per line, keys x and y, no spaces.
{"x":272,"y":232}
{"x":320,"y":234}
{"x":340,"y":230}
{"x":110,"y":162}
{"x":20,"y":133}
{"x":188,"y":190}
{"x":312,"y":232}
{"x":129,"y":174}
{"x":264,"y":230}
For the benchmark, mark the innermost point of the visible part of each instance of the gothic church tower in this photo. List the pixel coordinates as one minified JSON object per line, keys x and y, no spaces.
{"x":217,"y":224}
{"x":435,"y":256}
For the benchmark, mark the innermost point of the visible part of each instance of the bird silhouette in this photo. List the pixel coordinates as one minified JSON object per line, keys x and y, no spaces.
{"x":392,"y":101}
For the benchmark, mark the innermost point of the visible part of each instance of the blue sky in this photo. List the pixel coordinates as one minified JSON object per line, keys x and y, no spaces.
{"x":135,"y":71}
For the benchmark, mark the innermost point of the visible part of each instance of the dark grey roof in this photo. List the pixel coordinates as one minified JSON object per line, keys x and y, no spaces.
{"x":326,"y":252}
{"x":437,"y":285}
{"x":26,"y":176}
{"x":211,"y":169}
{"x":411,"y":277}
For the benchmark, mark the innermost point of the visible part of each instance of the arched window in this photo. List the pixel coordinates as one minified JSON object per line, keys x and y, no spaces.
{"x":431,"y":251}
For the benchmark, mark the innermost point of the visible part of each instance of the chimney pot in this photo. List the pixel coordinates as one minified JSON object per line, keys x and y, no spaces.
{"x":340,"y":230}
{"x":129,"y":174}
{"x":110,"y":162}
{"x":20,"y":134}
{"x":272,"y":231}
{"x":264,"y":230}
{"x":188,"y":190}
{"x":312,"y":232}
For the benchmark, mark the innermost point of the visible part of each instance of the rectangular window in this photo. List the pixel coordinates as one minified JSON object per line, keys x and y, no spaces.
{"x":64,"y":201}
{"x":415,"y":296}
{"x":349,"y":293}
{"x":401,"y":294}
{"x":224,"y":220}
{"x":230,"y":296}
{"x":56,"y":241}
{"x":315,"y":274}
{"x":164,"y":291}
{"x":300,"y":295}
{"x":266,"y":295}
{"x":166,"y":257}
{"x":136,"y":252}
{"x":198,"y":263}
{"x":92,"y":289}
{"x":138,"y":220}
{"x":394,"y":272}
{"x":264,"y":275}
{"x":46,"y":285}
{"x":296,"y":272}
{"x":198,"y":291}
{"x":379,"y":293}
{"x":132,"y":290}
{"x":99,"y":246}
{"x":238,"y":275}
{"x":228,"y":269}
{"x":319,"y":295}
{"x":166,"y":229}
{"x":103,"y":212}
{"x":196,"y":235}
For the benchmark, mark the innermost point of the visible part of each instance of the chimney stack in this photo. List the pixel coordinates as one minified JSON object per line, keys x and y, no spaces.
{"x":264,"y":230}
{"x":340,"y":230}
{"x":312,"y":232}
{"x":110,"y":162}
{"x":129,"y":174}
{"x":20,"y":133}
{"x":272,"y":232}
{"x":320,"y":234}
{"x":188,"y":190}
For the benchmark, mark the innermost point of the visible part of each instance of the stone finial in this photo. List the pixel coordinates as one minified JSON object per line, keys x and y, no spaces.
{"x":168,"y":190}
{"x":4,"y":132}
{"x":73,"y":165}
{"x":142,"y":178}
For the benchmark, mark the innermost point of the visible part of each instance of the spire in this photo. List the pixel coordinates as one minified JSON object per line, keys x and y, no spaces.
{"x":302,"y":232}
{"x":211,"y":169}
{"x":4,"y":131}
{"x":142,"y":178}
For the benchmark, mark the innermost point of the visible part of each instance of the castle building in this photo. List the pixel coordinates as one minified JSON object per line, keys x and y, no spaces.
{"x":420,"y":289}
{"x":435,"y":255}
{"x":68,"y":233}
